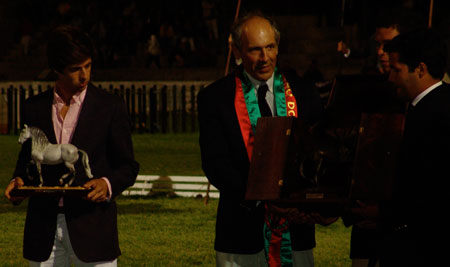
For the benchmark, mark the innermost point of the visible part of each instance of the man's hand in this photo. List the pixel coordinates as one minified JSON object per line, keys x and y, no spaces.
{"x":16,"y":182}
{"x":365,"y":210}
{"x":99,"y":192}
{"x":294,"y":215}
{"x":316,"y":218}
{"x":291,"y":214}
{"x":368,"y":214}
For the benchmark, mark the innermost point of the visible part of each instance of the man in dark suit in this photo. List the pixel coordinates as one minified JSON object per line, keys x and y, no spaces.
{"x":61,"y":230}
{"x":365,"y":237}
{"x":411,"y":221}
{"x":228,"y":111}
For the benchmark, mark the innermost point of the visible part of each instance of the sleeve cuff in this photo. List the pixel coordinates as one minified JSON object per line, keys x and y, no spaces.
{"x":109,"y":188}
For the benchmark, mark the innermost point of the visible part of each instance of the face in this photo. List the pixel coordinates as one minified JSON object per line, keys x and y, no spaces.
{"x":383,"y":35}
{"x":75,"y":77}
{"x":259,"y":48}
{"x":405,"y":81}
{"x":24,"y":135}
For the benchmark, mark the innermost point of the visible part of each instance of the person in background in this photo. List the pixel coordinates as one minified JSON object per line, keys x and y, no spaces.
{"x":153,"y":52}
{"x":390,"y":22}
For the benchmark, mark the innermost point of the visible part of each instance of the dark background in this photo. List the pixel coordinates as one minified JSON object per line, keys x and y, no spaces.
{"x":120,"y":29}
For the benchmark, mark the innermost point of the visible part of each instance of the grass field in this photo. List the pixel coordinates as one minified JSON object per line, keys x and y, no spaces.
{"x":157,"y":232}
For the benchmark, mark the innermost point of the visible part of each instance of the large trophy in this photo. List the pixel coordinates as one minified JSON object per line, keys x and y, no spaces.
{"x":349,"y":155}
{"x":45,"y":153}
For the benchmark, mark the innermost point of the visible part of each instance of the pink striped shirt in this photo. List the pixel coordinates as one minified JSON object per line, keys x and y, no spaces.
{"x":64,"y":127}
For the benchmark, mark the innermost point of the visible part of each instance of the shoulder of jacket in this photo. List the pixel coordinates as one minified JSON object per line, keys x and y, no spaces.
{"x":219,"y":85}
{"x":39,"y":97}
{"x":103,"y":94}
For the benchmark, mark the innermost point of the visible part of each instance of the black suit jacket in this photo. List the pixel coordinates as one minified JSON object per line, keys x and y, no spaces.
{"x":103,"y":131}
{"x":239,"y":224}
{"x":412,"y":220}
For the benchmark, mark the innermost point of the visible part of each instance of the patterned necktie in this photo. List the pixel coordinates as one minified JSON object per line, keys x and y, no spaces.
{"x":262,"y":103}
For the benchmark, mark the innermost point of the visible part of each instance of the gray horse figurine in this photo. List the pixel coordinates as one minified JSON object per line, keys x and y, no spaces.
{"x":44,"y":152}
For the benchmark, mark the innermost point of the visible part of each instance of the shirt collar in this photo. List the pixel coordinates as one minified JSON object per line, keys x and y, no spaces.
{"x":77,"y":98}
{"x":256,"y":83}
{"x":425,"y":92}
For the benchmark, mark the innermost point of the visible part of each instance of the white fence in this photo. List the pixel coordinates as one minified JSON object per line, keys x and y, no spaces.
{"x":153,"y":106}
{"x":187,"y":186}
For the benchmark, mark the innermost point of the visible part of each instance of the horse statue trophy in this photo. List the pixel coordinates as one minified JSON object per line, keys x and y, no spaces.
{"x":44,"y":152}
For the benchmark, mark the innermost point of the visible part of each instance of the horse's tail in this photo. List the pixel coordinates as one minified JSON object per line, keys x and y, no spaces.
{"x":85,"y":160}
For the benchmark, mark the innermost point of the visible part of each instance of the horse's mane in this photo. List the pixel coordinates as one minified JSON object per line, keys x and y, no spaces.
{"x":39,"y":137}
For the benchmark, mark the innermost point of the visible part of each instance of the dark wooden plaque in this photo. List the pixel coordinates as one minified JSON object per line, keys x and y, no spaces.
{"x":284,"y":165}
{"x":350,"y":154}
{"x":283,"y":169}
{"x":365,"y":117}
{"x":26,"y":191}
{"x":273,"y":155}
{"x":375,"y":161}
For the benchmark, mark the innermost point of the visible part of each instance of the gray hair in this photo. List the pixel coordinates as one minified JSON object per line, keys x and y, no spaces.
{"x":236,"y":29}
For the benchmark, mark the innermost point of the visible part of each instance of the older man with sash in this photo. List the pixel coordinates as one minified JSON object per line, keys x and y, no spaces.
{"x":228,"y":111}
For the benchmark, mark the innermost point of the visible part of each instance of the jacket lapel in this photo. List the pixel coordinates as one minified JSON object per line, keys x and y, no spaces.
{"x":45,"y":117}
{"x":83,"y":124}
{"x":229,"y":111}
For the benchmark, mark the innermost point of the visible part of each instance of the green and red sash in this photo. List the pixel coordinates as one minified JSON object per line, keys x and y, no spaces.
{"x":247,"y":109}
{"x":276,"y":229}
{"x":277,"y":240}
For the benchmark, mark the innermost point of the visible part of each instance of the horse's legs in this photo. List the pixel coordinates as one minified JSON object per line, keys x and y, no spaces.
{"x":38,"y":166}
{"x":30,"y":177}
{"x":71,"y":168}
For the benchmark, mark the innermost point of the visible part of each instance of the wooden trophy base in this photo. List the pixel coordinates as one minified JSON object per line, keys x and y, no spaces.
{"x":26,"y":191}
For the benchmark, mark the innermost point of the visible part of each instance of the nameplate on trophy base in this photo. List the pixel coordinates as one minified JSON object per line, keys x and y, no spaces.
{"x":71,"y":191}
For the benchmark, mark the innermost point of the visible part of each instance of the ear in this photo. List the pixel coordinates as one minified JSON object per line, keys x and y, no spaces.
{"x":237,"y":54}
{"x":25,"y":126}
{"x":56,"y":74}
{"x":422,"y":69}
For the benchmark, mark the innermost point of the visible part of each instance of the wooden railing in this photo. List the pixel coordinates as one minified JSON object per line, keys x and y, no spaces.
{"x":153,"y":106}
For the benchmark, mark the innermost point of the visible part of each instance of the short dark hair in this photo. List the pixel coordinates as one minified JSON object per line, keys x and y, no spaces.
{"x":236,"y":29}
{"x":418,"y":46}
{"x":402,"y":19}
{"x":68,"y":45}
